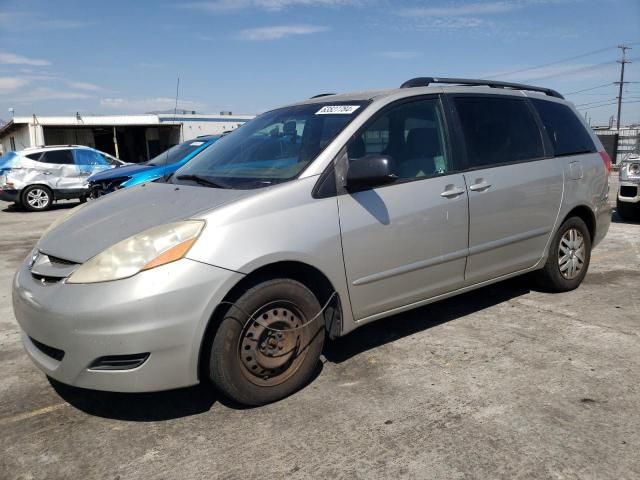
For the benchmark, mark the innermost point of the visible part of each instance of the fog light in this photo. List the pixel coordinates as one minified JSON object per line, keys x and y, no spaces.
{"x":119,"y":362}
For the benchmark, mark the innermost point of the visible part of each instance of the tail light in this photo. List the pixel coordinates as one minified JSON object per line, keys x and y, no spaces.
{"x":608,"y":165}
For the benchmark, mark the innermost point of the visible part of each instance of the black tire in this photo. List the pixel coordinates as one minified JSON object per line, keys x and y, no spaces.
{"x":551,"y":277}
{"x":627,"y":211}
{"x":83,"y":198}
{"x":36,"y":198}
{"x":254,"y":365}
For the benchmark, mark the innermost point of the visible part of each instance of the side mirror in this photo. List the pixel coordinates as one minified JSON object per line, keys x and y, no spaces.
{"x":370,"y":172}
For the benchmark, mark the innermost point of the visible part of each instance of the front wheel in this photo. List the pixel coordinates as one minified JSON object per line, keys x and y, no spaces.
{"x":268,"y":343}
{"x":37,"y":198}
{"x":569,"y":257}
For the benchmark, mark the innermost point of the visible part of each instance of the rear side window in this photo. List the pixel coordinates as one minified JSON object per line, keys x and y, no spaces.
{"x":498,"y":130}
{"x":60,"y":157}
{"x":34,"y":156}
{"x":566,"y":132}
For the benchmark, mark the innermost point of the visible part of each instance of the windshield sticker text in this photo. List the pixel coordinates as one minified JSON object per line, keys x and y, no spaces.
{"x":337,"y":109}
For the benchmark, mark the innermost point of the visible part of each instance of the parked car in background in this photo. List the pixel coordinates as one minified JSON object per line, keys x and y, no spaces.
{"x":310,"y":221}
{"x":36,"y":177}
{"x":160,"y":166}
{"x":628,"y":204}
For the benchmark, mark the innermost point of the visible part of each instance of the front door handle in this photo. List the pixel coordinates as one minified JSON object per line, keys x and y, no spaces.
{"x":452,"y":191}
{"x":480,"y":186}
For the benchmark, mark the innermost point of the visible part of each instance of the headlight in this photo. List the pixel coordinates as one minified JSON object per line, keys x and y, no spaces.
{"x":633,"y":169}
{"x":149,"y":249}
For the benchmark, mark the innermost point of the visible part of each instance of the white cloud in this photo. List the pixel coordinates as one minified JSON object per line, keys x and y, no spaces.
{"x":142,"y":105}
{"x":9,"y":84}
{"x":464,"y":9}
{"x":84,"y":86}
{"x":7,"y":58}
{"x":24,"y":21}
{"x":46,"y":93}
{"x":399,"y":54}
{"x":220,"y":6}
{"x":279,"y":31}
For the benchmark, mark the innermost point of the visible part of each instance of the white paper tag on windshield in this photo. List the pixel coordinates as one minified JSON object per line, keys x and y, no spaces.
{"x":337,"y":109}
{"x":196,"y":144}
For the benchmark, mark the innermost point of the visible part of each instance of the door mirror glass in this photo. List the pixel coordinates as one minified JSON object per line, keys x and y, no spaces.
{"x":370,"y":171}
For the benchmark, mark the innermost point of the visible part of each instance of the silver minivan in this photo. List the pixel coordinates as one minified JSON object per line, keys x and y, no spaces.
{"x":309,"y":222}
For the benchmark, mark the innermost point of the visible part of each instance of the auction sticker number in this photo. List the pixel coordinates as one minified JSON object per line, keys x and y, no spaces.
{"x":337,"y":109}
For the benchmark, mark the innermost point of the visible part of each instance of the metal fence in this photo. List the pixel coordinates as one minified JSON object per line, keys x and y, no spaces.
{"x":620,"y":144}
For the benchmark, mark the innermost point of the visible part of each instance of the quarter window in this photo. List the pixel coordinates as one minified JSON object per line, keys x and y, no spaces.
{"x":498,"y":130}
{"x":58,"y":157}
{"x":412,"y":134}
{"x":565,"y":130}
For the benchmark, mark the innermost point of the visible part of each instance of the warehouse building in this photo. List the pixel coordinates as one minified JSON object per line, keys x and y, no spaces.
{"x":132,"y":138}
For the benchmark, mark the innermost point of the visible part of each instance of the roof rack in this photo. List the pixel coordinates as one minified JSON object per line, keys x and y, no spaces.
{"x":323,"y":95}
{"x":426,"y":81}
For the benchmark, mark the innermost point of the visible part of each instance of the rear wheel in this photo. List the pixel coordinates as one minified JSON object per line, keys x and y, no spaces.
{"x":37,"y":198}
{"x":268,"y":344}
{"x":627,"y":211}
{"x":569,"y":257}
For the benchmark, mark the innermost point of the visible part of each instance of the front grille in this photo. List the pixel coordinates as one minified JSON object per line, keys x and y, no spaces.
{"x":54,"y":353}
{"x":628,"y":191}
{"x":97,"y":189}
{"x":46,"y":279}
{"x":60,"y":261}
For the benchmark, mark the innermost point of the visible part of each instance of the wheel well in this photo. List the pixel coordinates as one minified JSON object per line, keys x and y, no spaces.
{"x":41,"y":185}
{"x":309,"y":276}
{"x":587,"y":217}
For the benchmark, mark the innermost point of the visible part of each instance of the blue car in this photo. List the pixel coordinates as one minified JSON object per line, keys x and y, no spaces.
{"x":161,"y":166}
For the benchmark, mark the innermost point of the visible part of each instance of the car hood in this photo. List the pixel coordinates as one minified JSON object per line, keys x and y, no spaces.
{"x":117,"y":216}
{"x":118,"y":172}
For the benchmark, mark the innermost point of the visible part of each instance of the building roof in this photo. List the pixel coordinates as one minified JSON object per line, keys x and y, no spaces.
{"x":148,"y":119}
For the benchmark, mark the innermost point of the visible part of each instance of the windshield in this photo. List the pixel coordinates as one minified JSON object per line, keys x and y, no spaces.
{"x":272,"y":148}
{"x":176,"y":153}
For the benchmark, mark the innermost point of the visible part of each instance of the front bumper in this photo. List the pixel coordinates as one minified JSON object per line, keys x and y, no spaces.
{"x":163,"y":312}
{"x":9,"y":195}
{"x":629,"y":191}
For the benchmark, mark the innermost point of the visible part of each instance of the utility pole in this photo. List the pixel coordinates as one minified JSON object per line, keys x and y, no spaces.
{"x":621,"y":83}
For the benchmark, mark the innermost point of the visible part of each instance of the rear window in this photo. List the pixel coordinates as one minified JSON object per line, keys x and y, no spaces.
{"x":498,"y":130}
{"x":59,"y":157}
{"x":567,"y":133}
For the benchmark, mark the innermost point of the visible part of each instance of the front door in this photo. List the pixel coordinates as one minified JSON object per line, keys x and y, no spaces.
{"x":407,"y":241}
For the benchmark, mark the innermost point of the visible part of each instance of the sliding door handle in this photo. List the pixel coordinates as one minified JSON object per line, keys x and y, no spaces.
{"x":479,"y":187}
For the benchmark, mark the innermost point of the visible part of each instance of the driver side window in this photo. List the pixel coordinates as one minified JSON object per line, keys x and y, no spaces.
{"x":412,"y":134}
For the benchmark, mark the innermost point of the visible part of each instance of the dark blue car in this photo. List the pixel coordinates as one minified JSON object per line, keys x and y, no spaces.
{"x":164,"y":164}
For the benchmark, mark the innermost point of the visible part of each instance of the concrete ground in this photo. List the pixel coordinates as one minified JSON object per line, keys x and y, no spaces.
{"x":504,"y":382}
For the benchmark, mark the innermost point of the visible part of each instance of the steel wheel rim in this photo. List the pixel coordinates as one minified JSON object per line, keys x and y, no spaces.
{"x":270,"y":357}
{"x":37,"y":198}
{"x":571,"y":253}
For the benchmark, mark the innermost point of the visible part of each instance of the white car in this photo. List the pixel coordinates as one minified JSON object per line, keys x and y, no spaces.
{"x":628,"y":204}
{"x":36,"y":177}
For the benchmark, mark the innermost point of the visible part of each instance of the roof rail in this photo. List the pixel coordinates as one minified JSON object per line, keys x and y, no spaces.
{"x":426,"y":81}
{"x":323,"y":95}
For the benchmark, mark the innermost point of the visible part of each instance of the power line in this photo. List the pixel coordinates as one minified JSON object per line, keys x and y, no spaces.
{"x":592,"y":88}
{"x":557,"y":62}
{"x":597,"y":101}
{"x":607,"y":104}
{"x":585,"y":68}
{"x":568,"y":59}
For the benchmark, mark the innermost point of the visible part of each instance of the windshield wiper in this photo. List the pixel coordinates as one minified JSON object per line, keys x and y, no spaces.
{"x":200,"y":180}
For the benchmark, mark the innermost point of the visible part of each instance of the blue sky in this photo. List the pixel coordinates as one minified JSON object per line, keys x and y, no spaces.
{"x":59,"y":57}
